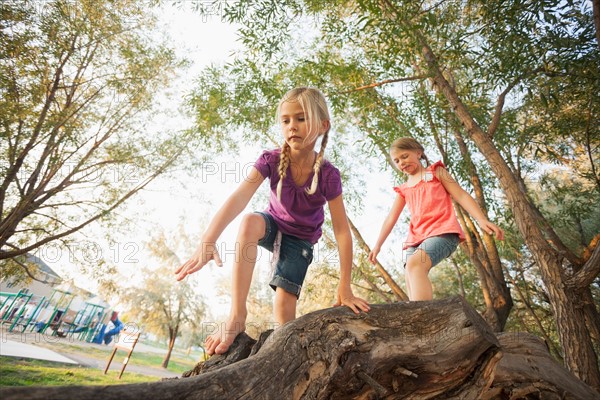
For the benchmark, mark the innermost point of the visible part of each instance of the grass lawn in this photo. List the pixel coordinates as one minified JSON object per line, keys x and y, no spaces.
{"x":177,"y":363}
{"x":19,"y":372}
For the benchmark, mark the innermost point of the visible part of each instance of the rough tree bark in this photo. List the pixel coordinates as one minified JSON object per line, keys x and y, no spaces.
{"x":566,"y":302}
{"x":408,"y":350}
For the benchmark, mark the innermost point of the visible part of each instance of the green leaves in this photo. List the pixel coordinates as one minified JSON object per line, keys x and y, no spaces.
{"x":78,"y":78}
{"x":526,"y":71}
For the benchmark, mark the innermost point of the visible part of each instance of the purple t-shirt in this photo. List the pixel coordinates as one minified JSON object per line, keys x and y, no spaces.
{"x":299,"y":214}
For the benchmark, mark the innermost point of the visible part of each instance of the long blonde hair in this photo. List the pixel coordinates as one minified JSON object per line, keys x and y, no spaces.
{"x":408,"y":143}
{"x":315,"y":109}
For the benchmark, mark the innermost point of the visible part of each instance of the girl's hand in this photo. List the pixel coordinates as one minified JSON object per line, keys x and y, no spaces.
{"x":373,"y":255}
{"x":205,"y":252}
{"x":491,"y":228}
{"x":347,"y":298}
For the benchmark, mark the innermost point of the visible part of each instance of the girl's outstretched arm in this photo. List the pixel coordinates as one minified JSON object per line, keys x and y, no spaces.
{"x":387,"y":226}
{"x":233,"y":206}
{"x":343,"y":237}
{"x":467,"y":202}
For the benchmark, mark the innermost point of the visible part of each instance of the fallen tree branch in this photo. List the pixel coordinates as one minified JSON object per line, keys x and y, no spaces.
{"x":406,"y":350}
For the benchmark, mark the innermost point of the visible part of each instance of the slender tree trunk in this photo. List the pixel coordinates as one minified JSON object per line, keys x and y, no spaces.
{"x":396,"y":289}
{"x":596,"y":6}
{"x":529,"y":309}
{"x":461,"y":284}
{"x":365,"y":275}
{"x":482,"y":251}
{"x":172,"y":337}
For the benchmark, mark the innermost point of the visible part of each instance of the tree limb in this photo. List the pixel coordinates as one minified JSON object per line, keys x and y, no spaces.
{"x":386,"y":82}
{"x":586,"y":275}
{"x":502,"y":98}
{"x":397,"y":290}
{"x":9,"y":254}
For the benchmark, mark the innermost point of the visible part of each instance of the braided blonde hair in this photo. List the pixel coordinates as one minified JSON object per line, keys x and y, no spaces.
{"x":408,"y":143}
{"x":315,"y":109}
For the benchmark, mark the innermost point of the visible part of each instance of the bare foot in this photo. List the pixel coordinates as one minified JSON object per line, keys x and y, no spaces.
{"x":219,"y":342}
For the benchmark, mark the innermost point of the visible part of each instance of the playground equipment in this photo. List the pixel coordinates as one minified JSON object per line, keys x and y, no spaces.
{"x":11,"y":304}
{"x":87,"y":322}
{"x":28,"y":313}
{"x":106,"y":336}
{"x":20,"y":309}
{"x":62,"y":301}
{"x":8,"y":309}
{"x":24,"y":310}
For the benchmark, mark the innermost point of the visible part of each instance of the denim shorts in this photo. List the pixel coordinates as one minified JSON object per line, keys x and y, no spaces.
{"x":436,"y":247}
{"x":295,"y":255}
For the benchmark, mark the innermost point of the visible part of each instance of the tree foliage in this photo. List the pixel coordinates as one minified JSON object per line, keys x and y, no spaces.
{"x":78,"y":80}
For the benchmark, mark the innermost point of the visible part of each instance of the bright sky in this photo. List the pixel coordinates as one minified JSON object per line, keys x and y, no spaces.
{"x":167,"y":204}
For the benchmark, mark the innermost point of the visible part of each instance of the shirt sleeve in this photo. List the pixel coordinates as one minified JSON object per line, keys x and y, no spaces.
{"x":431,"y":170}
{"x":331,"y":183}
{"x":436,"y":164}
{"x":398,"y":189}
{"x":266,"y":162}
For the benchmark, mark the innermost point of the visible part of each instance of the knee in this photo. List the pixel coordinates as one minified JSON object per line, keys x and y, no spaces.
{"x":252,"y":226}
{"x":418,"y":263}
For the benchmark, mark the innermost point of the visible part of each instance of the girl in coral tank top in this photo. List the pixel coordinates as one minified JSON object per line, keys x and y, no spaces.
{"x":434,"y":231}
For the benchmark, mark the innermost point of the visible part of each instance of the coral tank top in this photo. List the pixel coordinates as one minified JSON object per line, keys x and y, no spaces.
{"x":430,"y":206}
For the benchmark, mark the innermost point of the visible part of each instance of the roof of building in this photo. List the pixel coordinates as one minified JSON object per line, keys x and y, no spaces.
{"x":42,"y":266}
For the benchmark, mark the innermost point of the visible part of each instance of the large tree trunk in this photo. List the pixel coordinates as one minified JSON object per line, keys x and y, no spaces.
{"x":417,"y":350}
{"x":566,"y":302}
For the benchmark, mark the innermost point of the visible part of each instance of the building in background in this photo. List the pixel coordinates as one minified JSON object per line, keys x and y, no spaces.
{"x":50,"y":304}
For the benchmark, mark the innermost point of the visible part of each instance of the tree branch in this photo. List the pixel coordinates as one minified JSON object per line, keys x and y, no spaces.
{"x":502,"y":98}
{"x":596,"y":6}
{"x":28,"y":272}
{"x":9,"y":254}
{"x":398,"y":292}
{"x":586,"y":275}
{"x":588,"y":145}
{"x":385,"y":82}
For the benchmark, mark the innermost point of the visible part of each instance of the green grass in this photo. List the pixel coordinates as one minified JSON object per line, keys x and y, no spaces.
{"x":20,"y":372}
{"x":177,"y":363}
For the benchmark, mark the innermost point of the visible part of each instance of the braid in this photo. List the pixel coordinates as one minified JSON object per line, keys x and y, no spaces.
{"x":318,"y":162}
{"x":424,"y":157}
{"x":284,"y":161}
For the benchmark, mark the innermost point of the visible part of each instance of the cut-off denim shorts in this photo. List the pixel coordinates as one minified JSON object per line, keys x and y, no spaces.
{"x":291,"y":257}
{"x":436,"y":247}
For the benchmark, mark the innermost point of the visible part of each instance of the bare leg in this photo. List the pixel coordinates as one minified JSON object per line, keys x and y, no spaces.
{"x":252,"y":229}
{"x":285,"y":306}
{"x":417,"y":276}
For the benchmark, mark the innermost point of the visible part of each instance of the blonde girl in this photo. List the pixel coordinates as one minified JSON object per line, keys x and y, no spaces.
{"x":434,"y":231}
{"x":302,"y":181}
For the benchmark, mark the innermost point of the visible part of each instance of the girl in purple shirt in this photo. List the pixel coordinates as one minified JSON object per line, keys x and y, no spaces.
{"x":302,"y":182}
